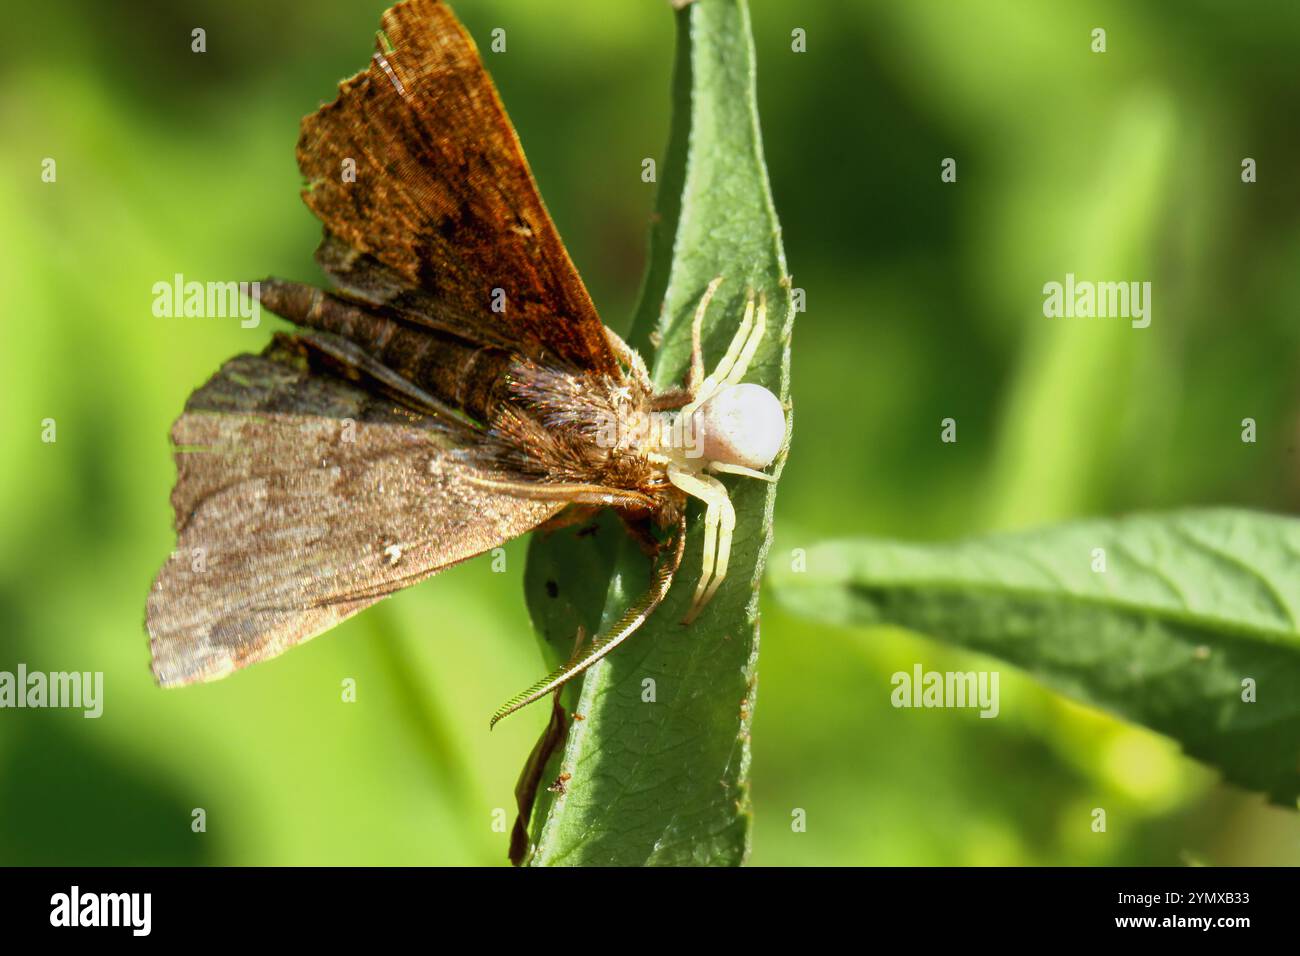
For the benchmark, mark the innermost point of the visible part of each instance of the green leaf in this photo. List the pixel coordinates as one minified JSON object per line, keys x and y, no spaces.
{"x":1189,"y":606}
{"x":666,"y":782}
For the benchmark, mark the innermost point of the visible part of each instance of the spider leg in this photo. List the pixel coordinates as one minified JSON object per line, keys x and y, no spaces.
{"x":720,"y":374}
{"x":724,"y":468}
{"x":719,"y":523}
{"x":726,"y":528}
{"x":696,"y":374}
{"x":711,"y":521}
{"x":678,"y":397}
{"x":737,"y":371}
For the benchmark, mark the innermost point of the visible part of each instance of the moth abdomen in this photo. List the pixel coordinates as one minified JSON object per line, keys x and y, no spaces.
{"x":467,"y":375}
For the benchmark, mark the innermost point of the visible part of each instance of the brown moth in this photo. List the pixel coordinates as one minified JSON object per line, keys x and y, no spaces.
{"x":454,"y":390}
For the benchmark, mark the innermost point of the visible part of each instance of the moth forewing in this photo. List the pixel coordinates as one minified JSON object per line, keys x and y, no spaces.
{"x":443,"y":198}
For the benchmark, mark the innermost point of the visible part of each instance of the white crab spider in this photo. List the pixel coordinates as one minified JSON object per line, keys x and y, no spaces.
{"x":741,"y":427}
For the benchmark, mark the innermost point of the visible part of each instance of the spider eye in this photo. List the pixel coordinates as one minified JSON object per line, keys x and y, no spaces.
{"x":742,"y":425}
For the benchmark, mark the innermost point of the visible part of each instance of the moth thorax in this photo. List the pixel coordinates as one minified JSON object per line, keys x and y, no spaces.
{"x":742,"y":425}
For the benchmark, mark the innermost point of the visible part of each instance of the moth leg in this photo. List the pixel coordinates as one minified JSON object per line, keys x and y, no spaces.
{"x":710,"y":386}
{"x":638,"y":528}
{"x":639,"y":531}
{"x":674,"y":398}
{"x":625,"y":627}
{"x":578,"y":514}
{"x":719,"y":523}
{"x":530,"y":777}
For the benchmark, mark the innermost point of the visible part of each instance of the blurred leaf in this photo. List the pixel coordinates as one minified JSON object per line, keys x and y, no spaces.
{"x":666,"y":782}
{"x":1190,"y":604}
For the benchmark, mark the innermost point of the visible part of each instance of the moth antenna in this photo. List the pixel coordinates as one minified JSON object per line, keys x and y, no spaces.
{"x":574,"y":493}
{"x":627,"y":625}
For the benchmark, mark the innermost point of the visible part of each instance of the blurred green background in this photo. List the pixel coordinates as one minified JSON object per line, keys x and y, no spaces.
{"x":924,"y":301}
